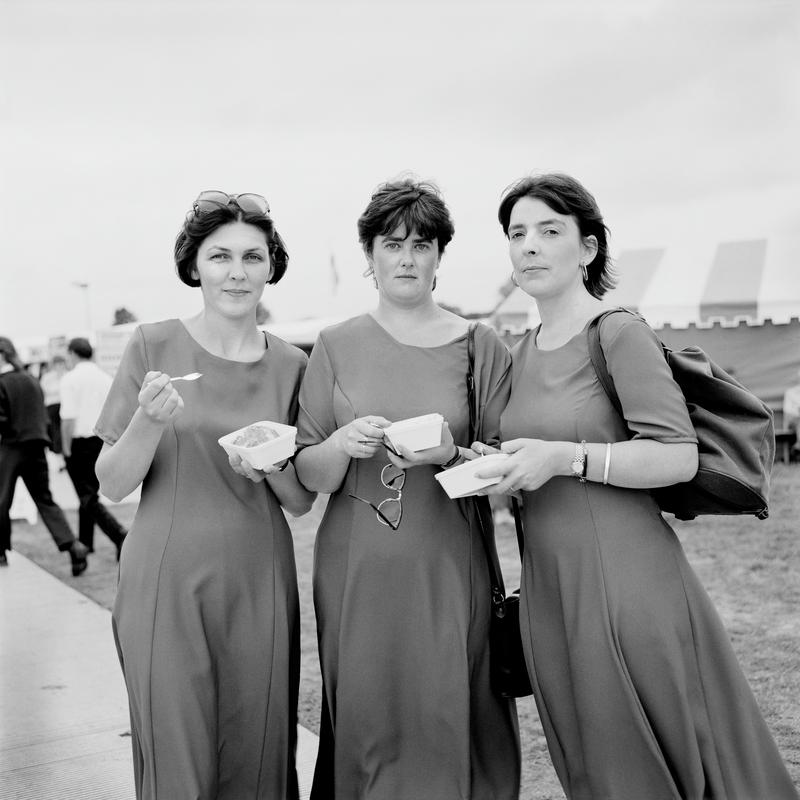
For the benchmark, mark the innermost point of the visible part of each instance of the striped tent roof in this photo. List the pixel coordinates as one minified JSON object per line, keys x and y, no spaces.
{"x":701,"y":282}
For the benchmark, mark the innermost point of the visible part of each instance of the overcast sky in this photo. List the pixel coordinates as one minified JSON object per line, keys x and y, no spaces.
{"x":681,"y":116}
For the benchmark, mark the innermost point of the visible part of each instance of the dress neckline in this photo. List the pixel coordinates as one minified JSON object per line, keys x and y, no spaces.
{"x":222,"y":359}
{"x":535,"y":337}
{"x":415,"y":346}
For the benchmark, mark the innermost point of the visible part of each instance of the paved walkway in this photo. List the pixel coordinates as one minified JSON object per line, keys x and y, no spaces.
{"x":64,"y":732}
{"x":62,"y":490}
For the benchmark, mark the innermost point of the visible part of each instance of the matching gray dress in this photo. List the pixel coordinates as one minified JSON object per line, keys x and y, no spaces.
{"x":206,"y":616}
{"x":637,"y":686}
{"x":403,"y":617}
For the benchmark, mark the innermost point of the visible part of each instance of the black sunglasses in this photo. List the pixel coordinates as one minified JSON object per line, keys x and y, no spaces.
{"x":390,"y":510}
{"x":207,"y":201}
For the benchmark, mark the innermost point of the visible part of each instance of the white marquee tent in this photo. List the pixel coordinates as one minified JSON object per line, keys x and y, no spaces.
{"x":698,"y":282}
{"x":740,"y":301}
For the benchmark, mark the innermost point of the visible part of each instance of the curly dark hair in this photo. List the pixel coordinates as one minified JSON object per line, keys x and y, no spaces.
{"x":567,"y":196}
{"x":198,"y":227}
{"x":416,"y":205}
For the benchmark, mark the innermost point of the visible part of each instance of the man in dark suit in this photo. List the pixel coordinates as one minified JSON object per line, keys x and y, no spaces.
{"x":23,"y":438}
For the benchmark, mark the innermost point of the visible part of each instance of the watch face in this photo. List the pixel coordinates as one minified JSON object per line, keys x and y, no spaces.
{"x":579,"y":461}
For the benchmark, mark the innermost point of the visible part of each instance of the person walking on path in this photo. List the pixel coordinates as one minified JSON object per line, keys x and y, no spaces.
{"x":23,"y":438}
{"x":50,"y":382}
{"x":83,"y":391}
{"x":791,"y":414}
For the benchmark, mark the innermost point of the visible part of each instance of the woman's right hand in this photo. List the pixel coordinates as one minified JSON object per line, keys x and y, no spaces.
{"x":158,"y":399}
{"x":363,"y":437}
{"x":531,"y":463}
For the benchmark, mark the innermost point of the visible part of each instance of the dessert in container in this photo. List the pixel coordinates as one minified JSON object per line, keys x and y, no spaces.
{"x":264,"y":454}
{"x":416,"y":433}
{"x":460,"y":481}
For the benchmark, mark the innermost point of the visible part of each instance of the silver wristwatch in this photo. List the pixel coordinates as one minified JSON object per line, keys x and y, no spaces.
{"x":578,"y":465}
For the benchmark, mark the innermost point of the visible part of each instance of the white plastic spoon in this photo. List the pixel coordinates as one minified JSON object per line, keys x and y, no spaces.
{"x":192,"y":376}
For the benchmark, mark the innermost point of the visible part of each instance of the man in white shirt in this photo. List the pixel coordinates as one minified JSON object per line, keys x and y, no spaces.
{"x":51,"y":386}
{"x":83,"y":393}
{"x":791,"y":414}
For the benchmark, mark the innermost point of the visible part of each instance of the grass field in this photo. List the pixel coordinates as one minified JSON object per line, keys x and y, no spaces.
{"x":751,"y":569}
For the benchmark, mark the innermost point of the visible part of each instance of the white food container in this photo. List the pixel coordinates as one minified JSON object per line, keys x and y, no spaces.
{"x":416,"y":433}
{"x":266,"y":454}
{"x":460,"y":481}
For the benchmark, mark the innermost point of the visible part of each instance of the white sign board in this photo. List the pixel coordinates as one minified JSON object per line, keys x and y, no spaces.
{"x":110,"y":344}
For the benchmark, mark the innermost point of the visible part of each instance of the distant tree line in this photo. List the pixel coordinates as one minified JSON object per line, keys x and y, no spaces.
{"x":122,"y":316}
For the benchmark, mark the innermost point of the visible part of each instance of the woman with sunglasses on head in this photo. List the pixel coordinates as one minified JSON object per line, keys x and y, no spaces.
{"x":400,"y":577}
{"x":638,"y":689}
{"x":206,"y":614}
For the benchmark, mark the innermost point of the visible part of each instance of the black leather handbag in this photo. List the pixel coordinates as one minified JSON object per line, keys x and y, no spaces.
{"x":735,"y":434}
{"x":509,"y":675}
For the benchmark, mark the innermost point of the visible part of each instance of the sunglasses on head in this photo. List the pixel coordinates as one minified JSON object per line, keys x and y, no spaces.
{"x":390,"y":510}
{"x":208,"y":201}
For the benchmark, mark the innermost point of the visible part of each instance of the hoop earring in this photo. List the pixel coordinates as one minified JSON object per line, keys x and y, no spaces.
{"x":370,"y":273}
{"x":584,"y":272}
{"x":434,"y":283}
{"x":514,"y":278}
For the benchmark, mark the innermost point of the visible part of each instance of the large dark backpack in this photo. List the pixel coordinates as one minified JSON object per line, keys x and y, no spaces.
{"x":735,"y":434}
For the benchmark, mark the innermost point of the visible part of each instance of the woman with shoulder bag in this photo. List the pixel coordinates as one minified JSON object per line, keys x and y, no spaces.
{"x":638,"y":688}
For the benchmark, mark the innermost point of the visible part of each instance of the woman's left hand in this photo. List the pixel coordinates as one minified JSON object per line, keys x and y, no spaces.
{"x":531,"y":464}
{"x":241,"y":467}
{"x":405,"y":459}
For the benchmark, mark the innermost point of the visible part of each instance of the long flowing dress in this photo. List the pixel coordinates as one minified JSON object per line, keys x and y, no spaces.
{"x":403,"y":617}
{"x":638,"y":688}
{"x":206,"y":616}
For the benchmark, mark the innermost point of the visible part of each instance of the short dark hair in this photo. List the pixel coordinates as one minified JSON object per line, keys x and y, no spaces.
{"x":567,"y":196}
{"x":198,"y":227}
{"x":10,"y":353}
{"x":416,"y":205}
{"x":80,"y":347}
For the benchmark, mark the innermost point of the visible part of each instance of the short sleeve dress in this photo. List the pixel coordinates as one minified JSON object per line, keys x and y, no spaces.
{"x":636,"y":683}
{"x":206,"y":615}
{"x":403,"y":617}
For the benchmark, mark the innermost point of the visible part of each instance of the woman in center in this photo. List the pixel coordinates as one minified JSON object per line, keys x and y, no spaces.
{"x":401,"y":590}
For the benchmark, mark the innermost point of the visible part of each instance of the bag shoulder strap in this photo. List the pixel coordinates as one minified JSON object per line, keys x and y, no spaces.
{"x":498,"y":587}
{"x":472,"y":400}
{"x":484,"y":522}
{"x":473,"y":413}
{"x":598,"y":357}
{"x":518,"y":525}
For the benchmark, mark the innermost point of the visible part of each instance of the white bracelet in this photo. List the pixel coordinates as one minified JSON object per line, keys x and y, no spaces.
{"x":607,"y":464}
